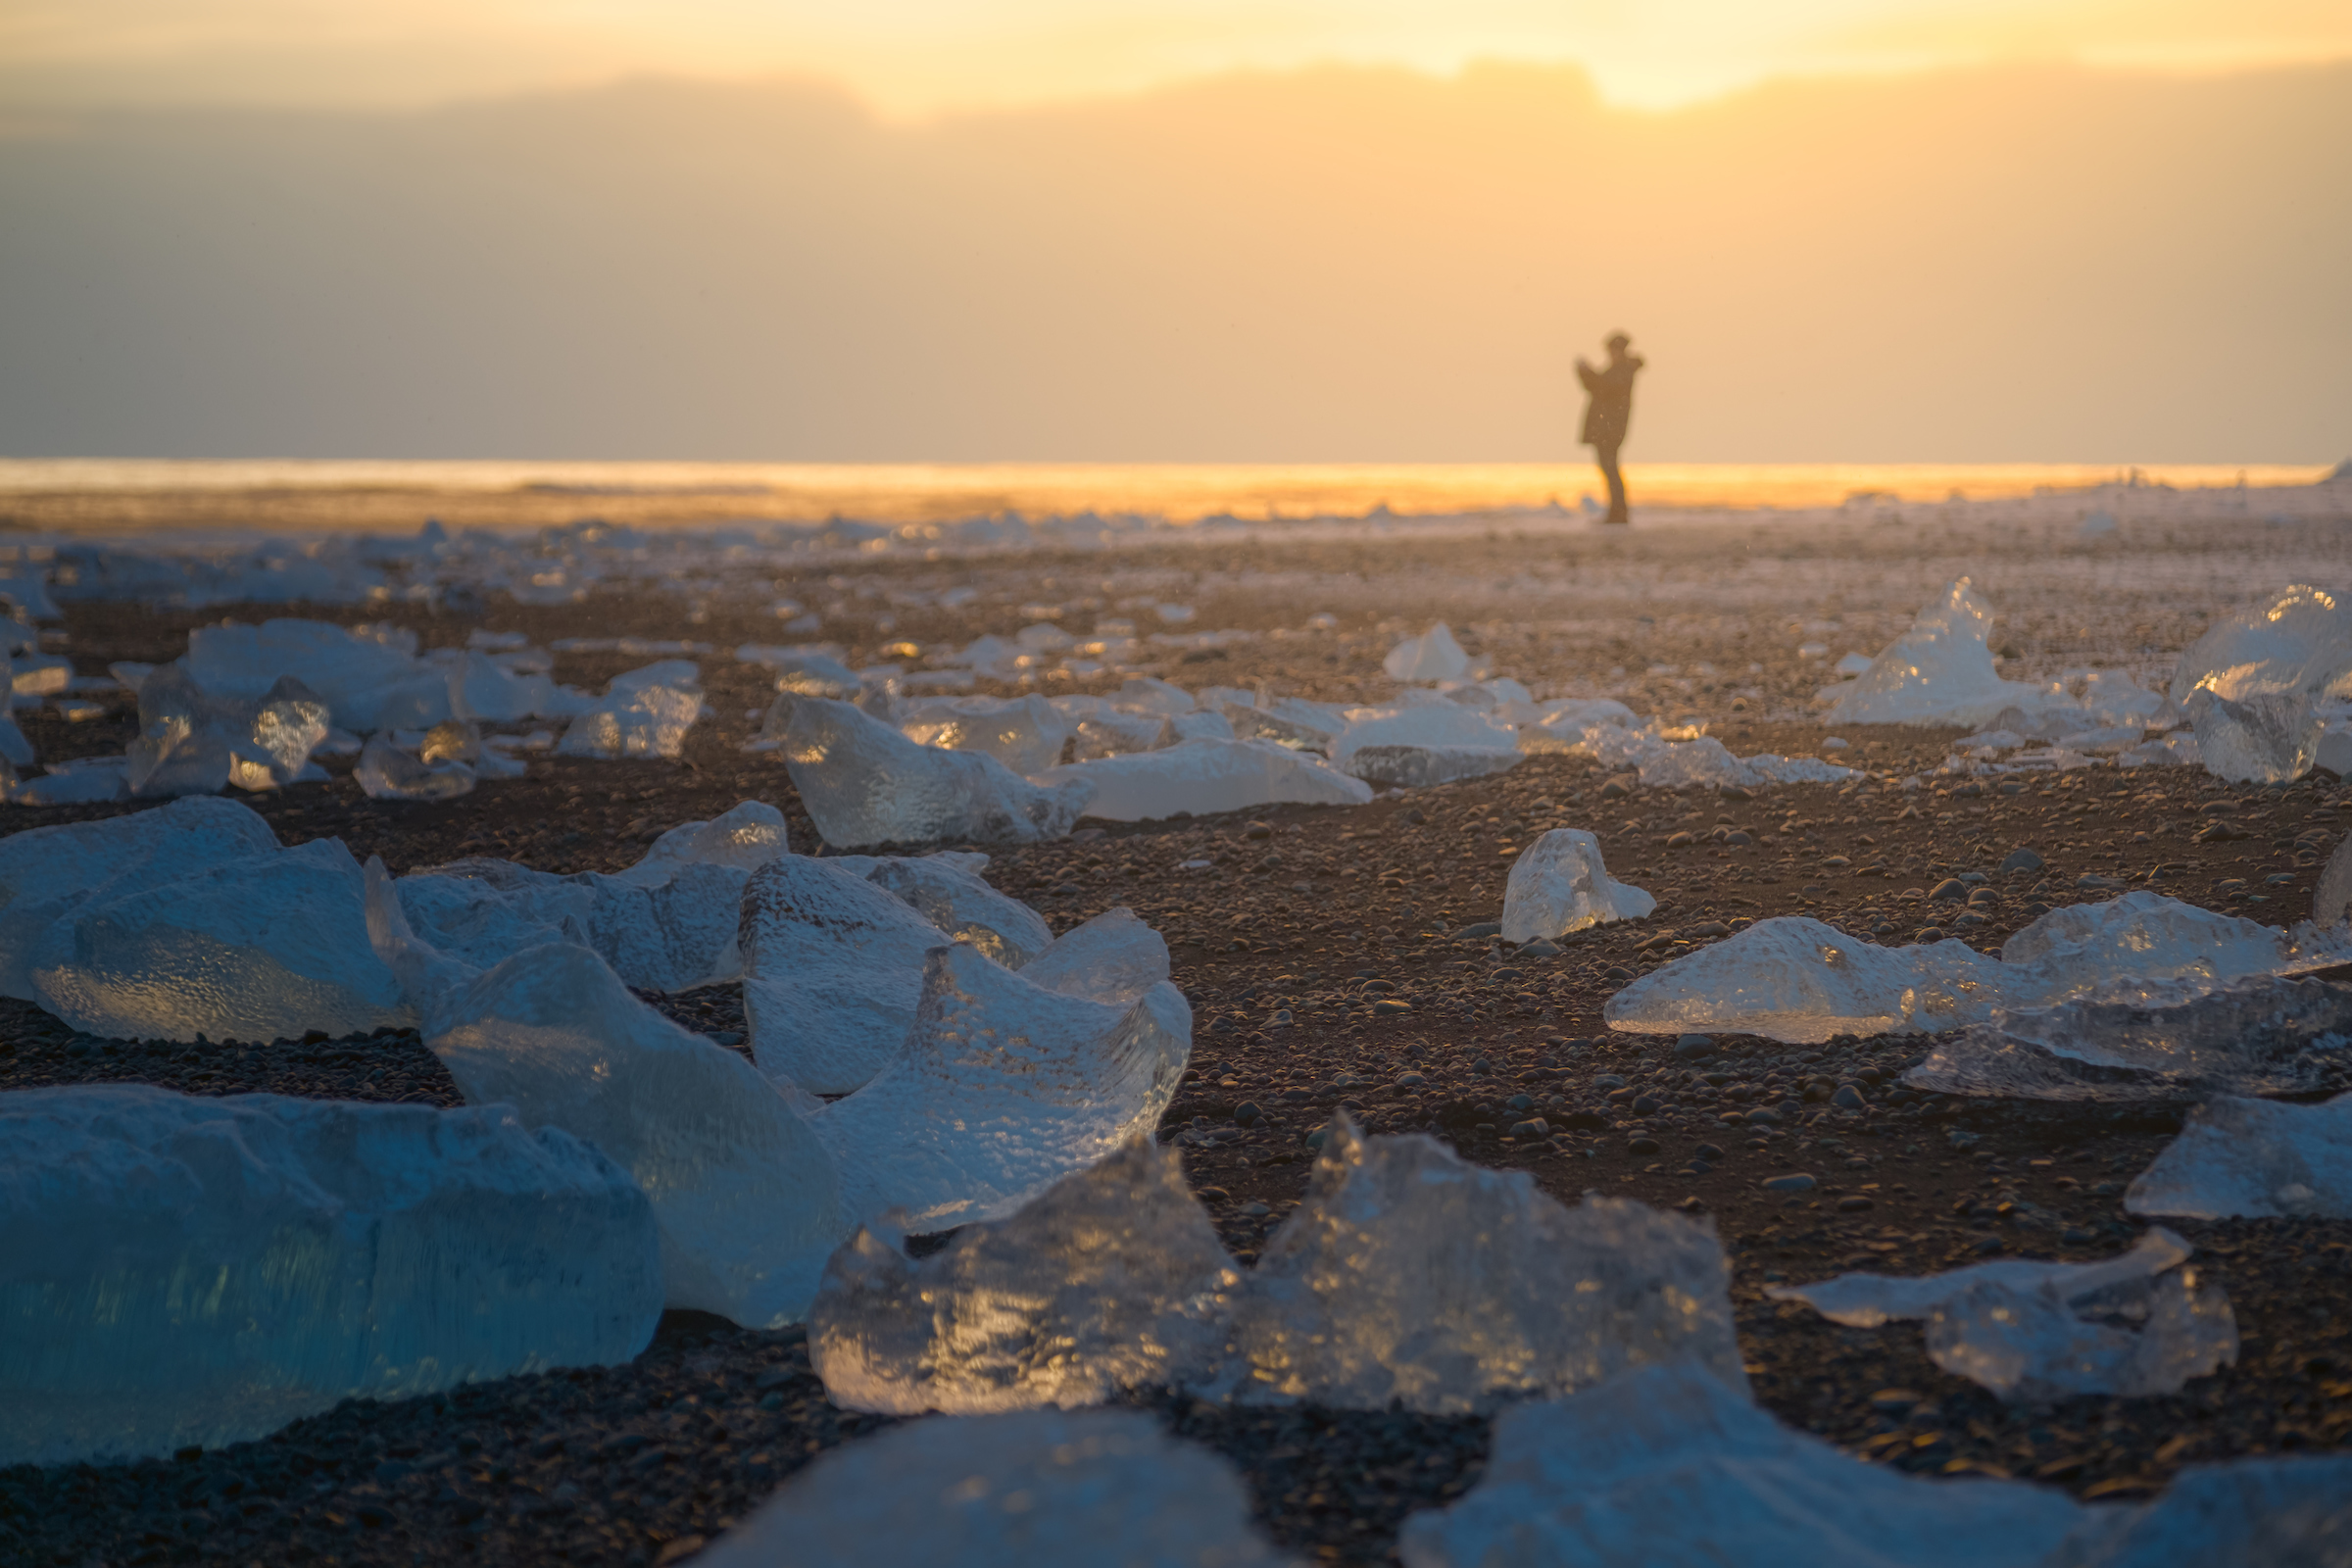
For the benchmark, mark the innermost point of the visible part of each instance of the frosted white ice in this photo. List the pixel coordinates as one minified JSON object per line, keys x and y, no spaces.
{"x":2252,"y":1159}
{"x":2300,"y":642}
{"x":1024,"y":733}
{"x":2140,"y":1323}
{"x":2263,"y":738}
{"x":1432,"y":740}
{"x":644,"y":713}
{"x":178,"y":1270}
{"x":1558,"y":883}
{"x":1434,"y":655}
{"x":1206,"y":776}
{"x":864,"y":783}
{"x":1938,"y":672}
{"x":1038,"y":1488}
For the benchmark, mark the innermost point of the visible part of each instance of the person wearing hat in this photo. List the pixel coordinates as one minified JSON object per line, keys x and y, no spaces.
{"x":1610,"y":408}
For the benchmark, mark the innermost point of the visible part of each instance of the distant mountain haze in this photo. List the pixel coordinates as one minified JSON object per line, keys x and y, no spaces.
{"x":1344,"y":264}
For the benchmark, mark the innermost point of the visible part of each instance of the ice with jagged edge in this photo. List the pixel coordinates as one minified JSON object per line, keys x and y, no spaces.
{"x":257,"y":946}
{"x":947,"y":889}
{"x":194,"y":742}
{"x":1666,"y":1465}
{"x":1206,"y":776}
{"x":370,"y":679}
{"x":2252,"y":1159}
{"x":2140,"y":1323}
{"x":644,"y":713}
{"x":1100,"y":727}
{"x":388,"y":772}
{"x":1424,"y":738}
{"x":1558,"y":885}
{"x":1407,"y":1275}
{"x":178,"y":1270}
{"x":2270,"y":1035}
{"x":1663,"y":764}
{"x":1434,"y":655}
{"x":1292,"y":722}
{"x":2297,"y":643}
{"x":1938,"y":672}
{"x":666,"y":923}
{"x":2263,"y":738}
{"x":864,"y":783}
{"x":1563,"y":724}
{"x":1024,"y":733}
{"x":1800,"y":980}
{"x":1040,"y":1489}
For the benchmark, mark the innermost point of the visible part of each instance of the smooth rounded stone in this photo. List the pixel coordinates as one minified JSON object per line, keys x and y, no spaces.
{"x":1479,"y":929}
{"x":182,"y":1271}
{"x":1848,"y":1098}
{"x":1793,"y":1182}
{"x":1691,"y":1046}
{"x":1558,"y":885}
{"x":1041,"y":1488}
{"x":2019,"y":860}
{"x":1951,"y":888}
{"x":864,"y":783}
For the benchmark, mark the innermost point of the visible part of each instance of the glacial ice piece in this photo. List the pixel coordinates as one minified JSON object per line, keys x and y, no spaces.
{"x":1938,"y":672}
{"x":1024,"y":733}
{"x":1146,"y":693}
{"x":1041,"y":1488}
{"x":77,"y":781}
{"x":2291,"y":1513}
{"x":1201,"y":727}
{"x":1112,"y":1279}
{"x":644,"y":713}
{"x":746,"y":837}
{"x":806,"y":672}
{"x":255,"y":949}
{"x":1113,"y":958}
{"x":178,"y":1270}
{"x":484,"y":686}
{"x":1203,"y":777}
{"x":864,"y":783}
{"x":2138,"y":1324}
{"x":1434,"y":655}
{"x":2252,"y":1159}
{"x":385,"y":773}
{"x":1101,"y":731}
{"x":965,"y":908}
{"x":15,"y":749}
{"x":1565,"y":723}
{"x":2267,"y":1035}
{"x":1799,"y":980}
{"x":369,"y":680}
{"x":193,"y":743}
{"x":2299,"y":642}
{"x":2266,"y":738}
{"x":2331,"y":899}
{"x":1665,"y":1465}
{"x":1421,"y":743}
{"x":1410,"y":1274}
{"x":1678,"y":765}
{"x":1002,"y":1087}
{"x":1291,"y":721}
{"x":1558,"y":885}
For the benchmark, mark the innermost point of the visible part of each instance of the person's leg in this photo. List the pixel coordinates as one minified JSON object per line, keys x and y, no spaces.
{"x":1607,"y":456}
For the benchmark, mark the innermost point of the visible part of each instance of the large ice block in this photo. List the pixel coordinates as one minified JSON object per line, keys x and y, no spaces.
{"x":2300,"y":642}
{"x":1291,"y":721}
{"x":1041,"y":1488}
{"x":1112,"y":1279}
{"x":369,"y":681}
{"x":965,"y":908}
{"x":1559,"y":885}
{"x":1024,"y":733}
{"x":2290,"y":1513}
{"x":1113,"y":958}
{"x":2252,"y":1159}
{"x":2266,"y":738}
{"x":1421,"y":743}
{"x":1207,"y":776}
{"x":2268,"y":1035}
{"x":1434,"y":655}
{"x":2138,"y":1324}
{"x":256,"y":949}
{"x":179,"y":1270}
{"x":192,"y":741}
{"x":1938,"y":672}
{"x":644,"y":713}
{"x":864,"y":783}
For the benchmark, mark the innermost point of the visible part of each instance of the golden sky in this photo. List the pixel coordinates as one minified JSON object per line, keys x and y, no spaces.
{"x":918,"y":56}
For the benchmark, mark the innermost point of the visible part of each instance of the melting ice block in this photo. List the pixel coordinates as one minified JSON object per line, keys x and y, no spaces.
{"x":645,"y":713}
{"x":1434,"y":655}
{"x":2266,"y":738}
{"x":865,"y":783}
{"x":261,"y":947}
{"x":1205,"y":776}
{"x":1422,"y":743}
{"x":1678,"y":765}
{"x":386,"y":773}
{"x":1040,"y":1489}
{"x":1112,"y":1279}
{"x":2299,"y":642}
{"x":370,"y":679}
{"x":192,"y":741}
{"x":1558,"y":885}
{"x":177,"y":1270}
{"x":2138,"y":1324}
{"x":1291,"y":721}
{"x":2252,"y":1159}
{"x":1938,"y":672}
{"x":965,"y":908}
{"x":1566,"y":722}
{"x":2265,"y":1036}
{"x":1024,"y":733}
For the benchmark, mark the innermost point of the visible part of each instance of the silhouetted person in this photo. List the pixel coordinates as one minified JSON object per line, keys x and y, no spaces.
{"x":1610,"y":411}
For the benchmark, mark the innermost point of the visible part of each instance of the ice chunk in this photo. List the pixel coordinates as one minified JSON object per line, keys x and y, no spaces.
{"x":178,"y":1270}
{"x":1039,"y":1489}
{"x":746,"y":836}
{"x":1001,"y":1088}
{"x":2252,"y":1159}
{"x":387,"y":772}
{"x":1423,"y":743}
{"x":1558,"y":885}
{"x":645,"y":713}
{"x":2268,"y":737}
{"x":1113,"y":958}
{"x":2299,"y":642}
{"x":1099,"y":729}
{"x":1112,"y":1279}
{"x":258,"y":949}
{"x":2278,"y":1513}
{"x":965,"y":908}
{"x":864,"y":783}
{"x":1853,"y":665}
{"x":15,"y":749}
{"x":1024,"y":733}
{"x":1201,"y":727}
{"x":1145,"y":695}
{"x":79,"y":781}
{"x":1566,"y":721}
{"x":1434,"y":655}
{"x":1203,"y":777}
{"x":193,"y":743}
{"x":1665,"y":1465}
{"x":2331,"y":899}
{"x":2264,"y":1036}
{"x":1938,"y":672}
{"x":368,"y":683}
{"x":810,"y":673}
{"x":2176,"y":750}
{"x":1292,"y":722}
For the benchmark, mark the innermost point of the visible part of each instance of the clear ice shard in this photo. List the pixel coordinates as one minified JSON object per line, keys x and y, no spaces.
{"x":1938,"y":672}
{"x":2293,"y":1512}
{"x":1111,"y":1279}
{"x":386,"y":773}
{"x":367,"y":681}
{"x":1024,"y":733}
{"x":965,"y":908}
{"x":645,"y":713}
{"x":1558,"y":885}
{"x":2299,"y":642}
{"x":2266,"y":738}
{"x":2268,"y":1035}
{"x":1291,"y":721}
{"x":1037,"y":1488}
{"x":48,"y":872}
{"x":1667,"y":1465}
{"x":1799,"y":980}
{"x":1415,"y":743}
{"x":1001,"y":1088}
{"x":256,"y":948}
{"x":1103,"y":730}
{"x":864,"y":784}
{"x":178,"y":1270}
{"x":1678,"y":765}
{"x":191,"y":742}
{"x":1207,"y":776}
{"x":2252,"y":1159}
{"x":2138,"y":1324}
{"x":1434,"y":655}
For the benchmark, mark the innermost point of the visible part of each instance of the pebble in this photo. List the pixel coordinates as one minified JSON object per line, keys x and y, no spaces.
{"x":1540,"y":949}
{"x":1691,"y":1047}
{"x":1642,"y":1145}
{"x":1951,"y":887}
{"x":1853,"y":1205}
{"x":1848,"y":1098}
{"x":1484,"y":928}
{"x":1794,"y":1182}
